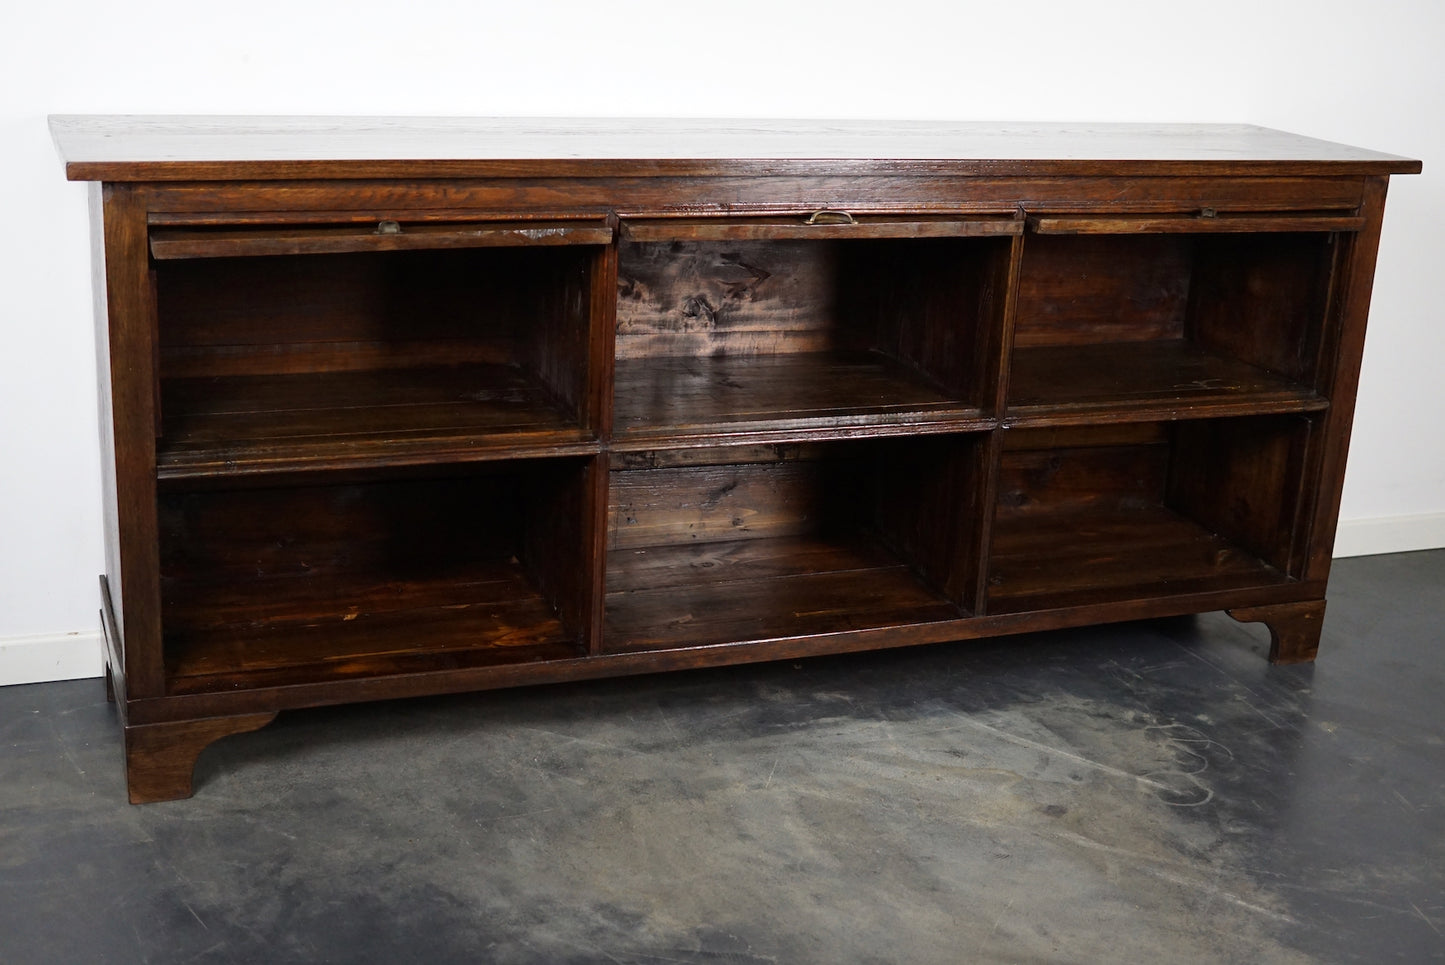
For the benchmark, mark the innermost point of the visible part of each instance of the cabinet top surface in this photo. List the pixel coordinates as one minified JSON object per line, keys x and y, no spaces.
{"x":135,"y":148}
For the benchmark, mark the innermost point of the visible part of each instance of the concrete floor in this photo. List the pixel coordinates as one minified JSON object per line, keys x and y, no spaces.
{"x":1142,"y":793}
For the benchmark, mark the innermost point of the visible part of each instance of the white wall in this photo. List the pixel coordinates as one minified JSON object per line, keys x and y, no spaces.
{"x":1365,"y":73}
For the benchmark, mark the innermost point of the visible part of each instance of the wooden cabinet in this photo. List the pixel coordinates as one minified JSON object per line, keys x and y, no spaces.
{"x":412,"y":407}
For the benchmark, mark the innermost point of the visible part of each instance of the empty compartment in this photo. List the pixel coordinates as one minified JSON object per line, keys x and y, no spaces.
{"x":370,"y":358}
{"x":1169,"y":325}
{"x":720,"y":337}
{"x":771,"y":542}
{"x":1117,"y":513}
{"x":273,"y":585}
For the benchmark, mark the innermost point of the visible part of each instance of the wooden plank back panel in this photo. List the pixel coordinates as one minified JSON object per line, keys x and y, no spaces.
{"x":710,"y":503}
{"x":232,"y":316}
{"x":1261,"y":299}
{"x":1102,"y":288}
{"x":1097,"y":479}
{"x":704,"y":300}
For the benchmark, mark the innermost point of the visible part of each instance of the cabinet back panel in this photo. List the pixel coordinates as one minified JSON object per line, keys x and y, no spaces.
{"x":317,"y":313}
{"x":1102,"y":288}
{"x":415,"y":527}
{"x":1101,"y":479}
{"x":730,"y":502}
{"x":704,"y":300}
{"x":1262,"y":298}
{"x":919,"y":301}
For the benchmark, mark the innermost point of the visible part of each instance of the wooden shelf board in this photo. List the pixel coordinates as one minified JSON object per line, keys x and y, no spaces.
{"x":694,"y":594}
{"x":236,"y":424}
{"x":1147,"y":379}
{"x":662,"y":399}
{"x":1051,"y":560}
{"x":223,"y":637}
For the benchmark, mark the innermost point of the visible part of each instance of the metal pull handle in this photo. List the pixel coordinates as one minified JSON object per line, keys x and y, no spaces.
{"x":388,"y":228}
{"x":830,"y":217}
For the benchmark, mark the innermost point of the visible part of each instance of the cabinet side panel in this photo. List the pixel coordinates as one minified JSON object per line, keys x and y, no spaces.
{"x":109,"y":511}
{"x":1345,"y":343}
{"x":130,"y":307}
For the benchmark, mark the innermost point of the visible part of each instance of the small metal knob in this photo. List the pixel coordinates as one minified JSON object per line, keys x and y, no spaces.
{"x":388,"y":228}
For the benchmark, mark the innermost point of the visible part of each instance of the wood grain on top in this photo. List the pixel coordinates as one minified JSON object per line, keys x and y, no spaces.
{"x":119,"y":147}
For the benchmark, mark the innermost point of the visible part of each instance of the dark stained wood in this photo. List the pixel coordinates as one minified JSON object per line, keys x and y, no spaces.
{"x":255,"y":424}
{"x":820,"y":225}
{"x":129,"y":322}
{"x":1246,"y":478}
{"x":618,"y":409}
{"x":758,"y":335}
{"x":368,"y":579}
{"x":761,"y":589}
{"x":386,"y":643}
{"x":1261,"y":299}
{"x":386,"y":235}
{"x":1339,"y":375}
{"x":780,"y":193}
{"x":1294,"y":628}
{"x":1071,"y":559}
{"x":1194,"y":507}
{"x":740,"y":299}
{"x":664,"y":399}
{"x":160,"y":759}
{"x":1207,"y":222}
{"x":1165,"y":379}
{"x":204,"y":148}
{"x":1106,"y":288}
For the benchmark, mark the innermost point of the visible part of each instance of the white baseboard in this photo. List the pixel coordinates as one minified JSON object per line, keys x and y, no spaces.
{"x":1390,"y":534}
{"x":51,"y":656}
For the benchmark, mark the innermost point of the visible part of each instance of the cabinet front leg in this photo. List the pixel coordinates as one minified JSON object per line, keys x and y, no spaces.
{"x":160,"y":759}
{"x":1294,"y":628}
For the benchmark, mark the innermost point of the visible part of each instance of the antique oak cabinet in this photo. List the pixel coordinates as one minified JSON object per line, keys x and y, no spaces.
{"x":403,"y":407}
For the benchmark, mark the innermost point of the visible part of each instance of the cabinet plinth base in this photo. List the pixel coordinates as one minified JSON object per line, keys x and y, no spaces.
{"x":1294,"y":628}
{"x":161,"y":758}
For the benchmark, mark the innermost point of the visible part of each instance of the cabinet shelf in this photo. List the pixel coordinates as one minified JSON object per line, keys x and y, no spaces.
{"x":680,"y":595}
{"x":278,"y":632}
{"x":1082,"y":558}
{"x":242,"y":424}
{"x":661,"y":400}
{"x":1111,"y":514}
{"x":1164,"y":379}
{"x":754,"y":543}
{"x":276,"y":584}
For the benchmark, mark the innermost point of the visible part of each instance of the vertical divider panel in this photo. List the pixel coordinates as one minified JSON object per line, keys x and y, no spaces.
{"x":996,"y":339}
{"x":602,"y":332}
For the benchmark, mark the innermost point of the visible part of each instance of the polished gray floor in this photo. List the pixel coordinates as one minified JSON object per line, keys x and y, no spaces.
{"x":1141,"y":793}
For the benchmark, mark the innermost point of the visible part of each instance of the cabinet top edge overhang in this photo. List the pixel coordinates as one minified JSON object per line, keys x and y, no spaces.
{"x":232,"y":147}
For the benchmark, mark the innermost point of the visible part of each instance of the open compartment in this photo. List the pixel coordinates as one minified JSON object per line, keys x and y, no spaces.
{"x":1185,"y":323}
{"x":482,"y":566}
{"x":1110,"y":514}
{"x":283,"y":358}
{"x":762,"y":331}
{"x":755,"y":543}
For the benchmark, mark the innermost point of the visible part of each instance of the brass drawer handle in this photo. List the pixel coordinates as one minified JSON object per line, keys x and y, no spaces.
{"x":825,"y":216}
